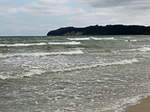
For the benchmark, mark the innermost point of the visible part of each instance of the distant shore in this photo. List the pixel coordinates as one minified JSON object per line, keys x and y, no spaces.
{"x":101,"y":30}
{"x":143,"y":106}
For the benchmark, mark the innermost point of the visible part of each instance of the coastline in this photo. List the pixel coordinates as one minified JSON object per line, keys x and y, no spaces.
{"x":143,"y":106}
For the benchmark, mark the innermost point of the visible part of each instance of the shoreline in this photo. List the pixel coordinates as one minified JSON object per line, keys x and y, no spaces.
{"x":142,"y":106}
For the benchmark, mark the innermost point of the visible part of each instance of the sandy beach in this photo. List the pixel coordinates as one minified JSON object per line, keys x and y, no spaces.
{"x":143,"y":106}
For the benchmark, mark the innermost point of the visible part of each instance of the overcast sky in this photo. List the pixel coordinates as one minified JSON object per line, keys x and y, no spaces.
{"x":37,"y":17}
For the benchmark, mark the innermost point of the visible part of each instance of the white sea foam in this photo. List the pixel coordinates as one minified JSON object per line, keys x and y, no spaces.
{"x":22,"y":44}
{"x":77,"y":51}
{"x":65,"y":43}
{"x":78,"y":39}
{"x":109,"y":38}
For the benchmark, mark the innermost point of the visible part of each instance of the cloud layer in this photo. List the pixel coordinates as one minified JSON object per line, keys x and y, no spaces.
{"x":36,"y":16}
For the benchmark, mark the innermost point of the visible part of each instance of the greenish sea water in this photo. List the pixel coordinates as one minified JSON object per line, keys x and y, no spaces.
{"x":73,"y":74}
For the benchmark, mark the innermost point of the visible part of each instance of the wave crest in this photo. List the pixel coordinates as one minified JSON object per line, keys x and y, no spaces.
{"x":69,"y":69}
{"x":109,"y":38}
{"x":123,"y":62}
{"x":40,"y":44}
{"x":78,"y":39}
{"x":78,"y":51}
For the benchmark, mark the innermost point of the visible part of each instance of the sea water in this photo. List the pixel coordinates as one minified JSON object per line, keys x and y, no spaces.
{"x":73,"y":74}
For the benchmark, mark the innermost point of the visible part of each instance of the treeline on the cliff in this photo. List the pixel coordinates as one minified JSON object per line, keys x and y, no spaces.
{"x":102,"y":30}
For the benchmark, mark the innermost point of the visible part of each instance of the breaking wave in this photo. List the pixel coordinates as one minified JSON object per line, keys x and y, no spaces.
{"x":131,"y":40}
{"x":40,"y":44}
{"x":93,"y":38}
{"x":5,"y":77}
{"x":78,"y":51}
{"x":75,"y":39}
{"x":110,"y":38}
{"x":26,"y":74}
{"x":123,"y":62}
{"x":22,"y":44}
{"x":142,"y":49}
{"x":65,"y":43}
{"x":33,"y":72}
{"x":127,"y":37}
{"x":69,"y":69}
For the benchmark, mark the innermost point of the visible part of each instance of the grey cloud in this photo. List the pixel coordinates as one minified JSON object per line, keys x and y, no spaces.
{"x":120,"y":8}
{"x":115,"y":12}
{"x":49,"y":8}
{"x":138,"y":4}
{"x":108,"y":3}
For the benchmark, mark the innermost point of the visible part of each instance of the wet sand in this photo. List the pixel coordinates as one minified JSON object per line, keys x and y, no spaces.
{"x":143,"y":106}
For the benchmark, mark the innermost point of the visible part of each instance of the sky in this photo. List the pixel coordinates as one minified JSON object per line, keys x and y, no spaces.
{"x":37,"y":17}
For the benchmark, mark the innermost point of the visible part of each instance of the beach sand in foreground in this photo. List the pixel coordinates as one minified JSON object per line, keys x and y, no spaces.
{"x":143,"y":106}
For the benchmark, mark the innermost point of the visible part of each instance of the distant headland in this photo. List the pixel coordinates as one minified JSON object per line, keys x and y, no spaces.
{"x":102,"y":30}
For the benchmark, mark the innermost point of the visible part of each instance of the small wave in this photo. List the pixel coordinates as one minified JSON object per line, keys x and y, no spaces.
{"x":126,"y":37}
{"x":123,"y":62}
{"x":126,"y":61}
{"x":33,"y":72}
{"x":22,"y":44}
{"x":131,"y":40}
{"x":144,"y":49}
{"x":39,"y":71}
{"x":65,"y":43}
{"x":5,"y":77}
{"x":78,"y":51}
{"x":78,"y":39}
{"x":27,"y":74}
{"x":39,"y":44}
{"x":110,"y":38}
{"x":134,"y":40}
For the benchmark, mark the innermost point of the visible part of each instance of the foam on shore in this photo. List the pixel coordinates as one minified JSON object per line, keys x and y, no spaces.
{"x":142,"y":106}
{"x":121,"y":104}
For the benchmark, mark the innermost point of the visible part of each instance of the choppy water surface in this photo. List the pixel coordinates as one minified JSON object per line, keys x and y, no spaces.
{"x":73,"y":74}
